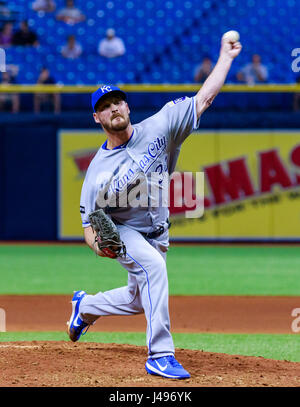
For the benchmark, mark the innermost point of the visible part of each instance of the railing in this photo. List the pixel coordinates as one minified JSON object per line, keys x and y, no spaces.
{"x":135,"y":88}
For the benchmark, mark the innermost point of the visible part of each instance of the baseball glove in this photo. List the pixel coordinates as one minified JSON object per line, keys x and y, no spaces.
{"x":107,"y":235}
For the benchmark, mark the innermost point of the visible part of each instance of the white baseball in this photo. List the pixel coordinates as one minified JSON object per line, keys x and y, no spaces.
{"x":231,"y":36}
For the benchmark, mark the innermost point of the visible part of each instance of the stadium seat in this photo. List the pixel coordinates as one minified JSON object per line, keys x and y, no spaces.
{"x":159,"y":35}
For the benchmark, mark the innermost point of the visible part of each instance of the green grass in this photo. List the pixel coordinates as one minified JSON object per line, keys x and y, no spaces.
{"x":277,"y":346}
{"x":195,"y":270}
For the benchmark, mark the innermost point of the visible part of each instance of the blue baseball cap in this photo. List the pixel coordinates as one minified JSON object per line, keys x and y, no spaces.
{"x":105,"y":90}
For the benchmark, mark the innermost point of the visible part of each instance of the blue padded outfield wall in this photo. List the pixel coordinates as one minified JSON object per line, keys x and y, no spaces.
{"x":28,"y":182}
{"x":227,"y":101}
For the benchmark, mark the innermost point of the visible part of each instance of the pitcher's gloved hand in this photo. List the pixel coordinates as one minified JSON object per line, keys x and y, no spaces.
{"x":107,"y":235}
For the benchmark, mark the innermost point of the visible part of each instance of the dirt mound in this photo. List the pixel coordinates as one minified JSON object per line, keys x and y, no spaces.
{"x":64,"y":364}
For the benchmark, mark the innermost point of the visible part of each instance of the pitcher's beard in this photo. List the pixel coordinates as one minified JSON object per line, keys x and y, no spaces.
{"x":117,"y":126}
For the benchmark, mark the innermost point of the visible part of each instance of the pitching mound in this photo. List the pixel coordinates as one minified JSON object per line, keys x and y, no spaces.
{"x":64,"y":364}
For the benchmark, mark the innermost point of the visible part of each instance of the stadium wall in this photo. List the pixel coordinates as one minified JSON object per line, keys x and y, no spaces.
{"x":28,"y":163}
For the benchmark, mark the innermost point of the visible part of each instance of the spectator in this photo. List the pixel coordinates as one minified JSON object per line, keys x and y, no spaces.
{"x":9,"y":101}
{"x":4,"y":11}
{"x":70,"y":14}
{"x":111,"y":46}
{"x":254,"y":72}
{"x":6,"y":35}
{"x":25,"y":36}
{"x":46,"y":6}
{"x":72,"y":49}
{"x":203,"y":70}
{"x":45,"y":100}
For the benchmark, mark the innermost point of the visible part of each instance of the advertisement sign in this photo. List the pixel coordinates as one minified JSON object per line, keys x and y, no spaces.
{"x":76,"y":149}
{"x":252,"y":184}
{"x":251,"y":181}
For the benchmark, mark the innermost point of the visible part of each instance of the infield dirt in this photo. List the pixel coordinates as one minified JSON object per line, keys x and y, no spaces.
{"x":237,"y":314}
{"x":60,"y":364}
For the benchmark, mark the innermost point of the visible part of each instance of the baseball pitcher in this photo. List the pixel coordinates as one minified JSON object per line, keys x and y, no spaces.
{"x":122,"y":213}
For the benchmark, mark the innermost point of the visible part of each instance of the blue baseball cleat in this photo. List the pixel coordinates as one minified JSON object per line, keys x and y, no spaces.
{"x":76,"y":325}
{"x":166,"y":366}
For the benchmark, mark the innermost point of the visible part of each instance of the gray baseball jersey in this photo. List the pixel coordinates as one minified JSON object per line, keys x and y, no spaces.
{"x":151,"y":152}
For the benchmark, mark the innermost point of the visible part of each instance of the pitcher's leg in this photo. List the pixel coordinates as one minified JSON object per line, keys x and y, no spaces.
{"x":147,"y":291}
{"x":119,"y":301}
{"x":149,"y":267}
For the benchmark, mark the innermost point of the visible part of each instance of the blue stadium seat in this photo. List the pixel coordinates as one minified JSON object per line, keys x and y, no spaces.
{"x":159,"y":35}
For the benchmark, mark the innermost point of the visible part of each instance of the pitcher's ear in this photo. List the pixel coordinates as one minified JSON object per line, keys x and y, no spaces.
{"x":96,"y":118}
